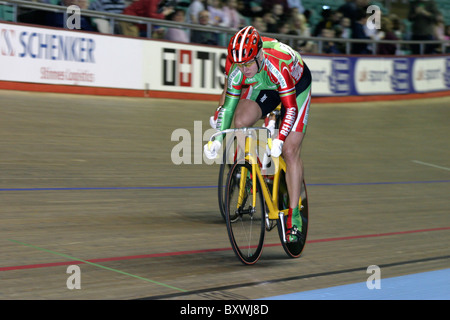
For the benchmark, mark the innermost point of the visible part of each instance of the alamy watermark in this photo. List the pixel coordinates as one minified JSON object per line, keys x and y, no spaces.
{"x":374,"y":20}
{"x":189,"y":147}
{"x":73,"y":20}
{"x":74,"y":280}
{"x":374,"y":280}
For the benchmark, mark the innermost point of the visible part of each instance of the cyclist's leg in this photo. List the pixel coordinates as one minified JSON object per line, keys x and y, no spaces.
{"x":292,"y":148}
{"x":291,"y":154}
{"x":253,"y":105}
{"x":294,"y":177}
{"x":294,"y":166}
{"x":247,"y":113}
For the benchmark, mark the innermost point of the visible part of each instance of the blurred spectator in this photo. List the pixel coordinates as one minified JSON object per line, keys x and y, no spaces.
{"x":284,"y":27}
{"x":269,"y":4}
{"x":336,"y":18}
{"x":253,"y":8}
{"x":422,"y":14}
{"x":295,"y":6}
{"x":178,"y":34}
{"x":259,"y":24}
{"x":349,"y":10}
{"x":270,"y":22}
{"x":31,"y":16}
{"x":329,"y":46}
{"x":447,"y":38}
{"x":439,"y":32}
{"x":301,"y":28}
{"x":147,"y":9}
{"x":110,"y":6}
{"x":204,"y":37}
{"x":217,"y":17}
{"x":233,"y":18}
{"x":194,"y":10}
{"x":273,"y":17}
{"x":386,"y":33}
{"x":83,"y":4}
{"x":359,"y":33}
{"x":308,"y":14}
{"x":325,"y":23}
{"x":398,"y":27}
{"x":400,"y":30}
{"x":346,"y":29}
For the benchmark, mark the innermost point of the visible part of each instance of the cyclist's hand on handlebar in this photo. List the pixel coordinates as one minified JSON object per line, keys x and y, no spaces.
{"x":271,"y":126}
{"x":211,"y":149}
{"x":277,"y":147}
{"x":213,"y":119}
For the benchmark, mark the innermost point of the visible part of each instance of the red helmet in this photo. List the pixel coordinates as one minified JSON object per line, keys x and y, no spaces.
{"x":244,"y":45}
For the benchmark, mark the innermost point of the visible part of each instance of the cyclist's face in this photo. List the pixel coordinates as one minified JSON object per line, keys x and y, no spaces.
{"x":249,"y":68}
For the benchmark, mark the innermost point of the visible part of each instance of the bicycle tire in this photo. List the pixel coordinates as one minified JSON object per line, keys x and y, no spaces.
{"x":245,"y":225}
{"x":224,"y":169}
{"x":293,"y":249}
{"x":221,"y":190}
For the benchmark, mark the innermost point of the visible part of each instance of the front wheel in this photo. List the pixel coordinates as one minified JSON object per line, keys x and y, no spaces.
{"x":245,"y":222}
{"x":293,"y":249}
{"x":230,"y":156}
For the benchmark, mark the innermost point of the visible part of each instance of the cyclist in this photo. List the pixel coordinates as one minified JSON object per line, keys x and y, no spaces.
{"x":269,"y":121}
{"x":274,"y":73}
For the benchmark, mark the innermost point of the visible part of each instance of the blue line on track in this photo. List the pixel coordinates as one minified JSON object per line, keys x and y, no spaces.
{"x":432,"y":285}
{"x":375,"y":183}
{"x":106,"y":188}
{"x":215,"y":186}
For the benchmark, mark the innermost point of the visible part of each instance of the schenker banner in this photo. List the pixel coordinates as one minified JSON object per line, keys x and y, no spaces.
{"x":63,"y":57}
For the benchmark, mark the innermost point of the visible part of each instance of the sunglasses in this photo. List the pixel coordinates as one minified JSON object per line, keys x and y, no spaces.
{"x":246,"y":64}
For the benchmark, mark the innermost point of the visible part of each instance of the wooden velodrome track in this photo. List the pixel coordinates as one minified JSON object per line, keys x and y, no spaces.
{"x":89,"y":181}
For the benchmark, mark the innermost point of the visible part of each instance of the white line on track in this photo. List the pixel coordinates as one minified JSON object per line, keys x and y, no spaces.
{"x":430,"y":165}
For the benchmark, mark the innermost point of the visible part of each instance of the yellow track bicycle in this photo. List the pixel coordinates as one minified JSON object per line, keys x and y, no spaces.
{"x":256,"y":202}
{"x":230,"y":154}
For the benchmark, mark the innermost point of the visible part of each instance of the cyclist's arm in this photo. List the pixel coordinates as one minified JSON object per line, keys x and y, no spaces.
{"x":290,"y":104}
{"x":228,"y":65}
{"x":232,"y":96}
{"x":222,"y":95}
{"x":227,"y":111}
{"x":288,"y":99}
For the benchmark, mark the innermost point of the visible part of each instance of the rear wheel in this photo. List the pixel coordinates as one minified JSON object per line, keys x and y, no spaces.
{"x":245,"y":223}
{"x":293,"y":249}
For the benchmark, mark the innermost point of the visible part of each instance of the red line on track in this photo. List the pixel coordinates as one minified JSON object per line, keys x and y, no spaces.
{"x":180,"y":253}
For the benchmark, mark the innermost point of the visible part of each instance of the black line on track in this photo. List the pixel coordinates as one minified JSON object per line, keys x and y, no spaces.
{"x":300,"y":277}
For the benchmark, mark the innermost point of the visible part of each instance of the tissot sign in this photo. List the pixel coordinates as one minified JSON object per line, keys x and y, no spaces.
{"x":185,"y":68}
{"x":193,"y":69}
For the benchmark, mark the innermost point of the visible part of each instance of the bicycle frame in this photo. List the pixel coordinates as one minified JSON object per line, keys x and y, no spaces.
{"x":270,"y":196}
